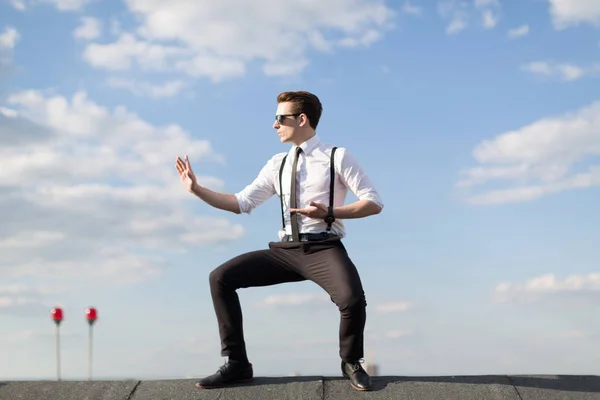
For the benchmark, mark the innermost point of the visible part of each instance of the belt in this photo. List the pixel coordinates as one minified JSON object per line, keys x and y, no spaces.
{"x":310,"y":237}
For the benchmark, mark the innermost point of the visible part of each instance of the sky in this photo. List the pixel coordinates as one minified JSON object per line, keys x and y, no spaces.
{"x":478,"y":122}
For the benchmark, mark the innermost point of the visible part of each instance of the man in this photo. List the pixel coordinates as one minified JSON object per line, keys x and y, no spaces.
{"x":309,"y":246}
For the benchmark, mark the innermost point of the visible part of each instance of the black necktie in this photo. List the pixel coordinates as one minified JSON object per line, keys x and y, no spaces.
{"x":293,"y":201}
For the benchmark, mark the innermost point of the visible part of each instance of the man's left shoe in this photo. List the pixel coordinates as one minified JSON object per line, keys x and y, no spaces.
{"x":359,"y":379}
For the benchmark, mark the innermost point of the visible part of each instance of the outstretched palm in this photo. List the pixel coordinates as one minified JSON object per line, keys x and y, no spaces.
{"x":185,"y":172}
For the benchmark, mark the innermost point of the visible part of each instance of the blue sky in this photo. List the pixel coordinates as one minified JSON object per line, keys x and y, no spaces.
{"x":477,"y":120}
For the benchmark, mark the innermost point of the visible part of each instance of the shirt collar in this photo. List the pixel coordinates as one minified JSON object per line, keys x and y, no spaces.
{"x":309,"y":145}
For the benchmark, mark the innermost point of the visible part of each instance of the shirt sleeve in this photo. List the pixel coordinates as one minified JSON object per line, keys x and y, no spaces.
{"x":260,"y":190}
{"x":355,"y":178}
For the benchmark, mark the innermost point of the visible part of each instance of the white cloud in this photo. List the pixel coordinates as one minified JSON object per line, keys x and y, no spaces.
{"x":219,"y":40}
{"x":276,"y":69}
{"x":127,"y":50}
{"x":365,"y":40}
{"x":9,"y":38}
{"x":486,"y":3}
{"x":538,"y":159}
{"x":96,"y":190}
{"x":457,"y":24}
{"x":565,"y":71}
{"x":68,"y":5}
{"x":295,"y":299}
{"x":7,"y":112}
{"x":489,"y":19}
{"x":569,"y":13}
{"x":392,"y":307}
{"x":117,"y":266}
{"x":24,"y":300}
{"x":61,"y":5}
{"x":18,"y":4}
{"x":519,"y":31}
{"x":397,"y":334}
{"x":378,"y":336}
{"x":219,"y":69}
{"x":409,"y":8}
{"x":147,"y":89}
{"x":30,"y":240}
{"x":548,"y":284}
{"x":90,"y":28}
{"x":490,"y":12}
{"x":460,"y":12}
{"x":574,"y":334}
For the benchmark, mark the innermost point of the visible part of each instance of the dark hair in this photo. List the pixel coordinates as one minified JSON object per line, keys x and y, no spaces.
{"x":303,"y":103}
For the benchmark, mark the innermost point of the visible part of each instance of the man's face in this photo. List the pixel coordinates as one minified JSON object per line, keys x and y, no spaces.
{"x":289,"y":125}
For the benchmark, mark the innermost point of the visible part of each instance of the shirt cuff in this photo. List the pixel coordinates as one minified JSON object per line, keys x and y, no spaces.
{"x":243,"y":204}
{"x":374,"y":198}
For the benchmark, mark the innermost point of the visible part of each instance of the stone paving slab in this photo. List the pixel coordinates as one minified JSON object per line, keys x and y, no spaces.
{"x":299,"y":388}
{"x":494,"y":387}
{"x":67,"y":390}
{"x":557,"y":387}
{"x":425,"y":388}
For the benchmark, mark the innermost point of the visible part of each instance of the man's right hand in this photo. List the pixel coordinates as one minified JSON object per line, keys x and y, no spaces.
{"x":221,"y":201}
{"x":185,"y":173}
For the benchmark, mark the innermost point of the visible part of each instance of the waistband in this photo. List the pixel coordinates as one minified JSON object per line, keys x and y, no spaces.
{"x":310,"y":237}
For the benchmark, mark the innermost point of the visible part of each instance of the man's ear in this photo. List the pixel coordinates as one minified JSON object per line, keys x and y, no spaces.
{"x":302,"y":120}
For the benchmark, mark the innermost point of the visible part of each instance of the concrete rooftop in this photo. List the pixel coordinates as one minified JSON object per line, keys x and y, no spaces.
{"x":493,"y":387}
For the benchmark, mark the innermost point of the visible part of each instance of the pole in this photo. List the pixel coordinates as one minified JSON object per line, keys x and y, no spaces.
{"x":91,"y":316}
{"x":57,"y":352}
{"x":90,"y":353}
{"x":57,"y":317}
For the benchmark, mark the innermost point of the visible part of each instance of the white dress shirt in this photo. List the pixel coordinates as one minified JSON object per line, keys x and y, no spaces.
{"x":313,"y":180}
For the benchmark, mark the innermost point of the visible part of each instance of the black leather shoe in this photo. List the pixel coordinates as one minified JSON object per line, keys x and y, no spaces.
{"x":359,"y":379}
{"x":231,"y":372}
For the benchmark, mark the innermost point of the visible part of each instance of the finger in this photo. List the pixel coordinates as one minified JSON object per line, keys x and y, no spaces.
{"x":180,"y":163}
{"x":189,"y":165}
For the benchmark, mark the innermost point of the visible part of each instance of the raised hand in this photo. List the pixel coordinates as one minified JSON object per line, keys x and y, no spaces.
{"x":313,"y":210}
{"x":185,"y":173}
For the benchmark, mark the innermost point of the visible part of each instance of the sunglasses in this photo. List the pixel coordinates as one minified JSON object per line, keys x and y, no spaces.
{"x":280,"y":117}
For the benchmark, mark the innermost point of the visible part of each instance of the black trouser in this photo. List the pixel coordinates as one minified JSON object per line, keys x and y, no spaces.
{"x":324,"y":262}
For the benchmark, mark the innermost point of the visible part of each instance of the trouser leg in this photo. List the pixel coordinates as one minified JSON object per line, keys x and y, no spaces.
{"x":258,"y":268}
{"x":329,"y":265}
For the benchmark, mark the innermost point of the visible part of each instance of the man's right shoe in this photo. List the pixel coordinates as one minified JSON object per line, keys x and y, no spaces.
{"x":231,"y":372}
{"x":359,"y":379}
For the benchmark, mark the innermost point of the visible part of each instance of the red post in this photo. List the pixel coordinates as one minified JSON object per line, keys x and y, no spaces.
{"x":91,"y":315}
{"x":57,"y":317}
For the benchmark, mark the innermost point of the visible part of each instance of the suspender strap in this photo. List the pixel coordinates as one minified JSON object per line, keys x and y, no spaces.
{"x":281,"y":191}
{"x":330,"y":218}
